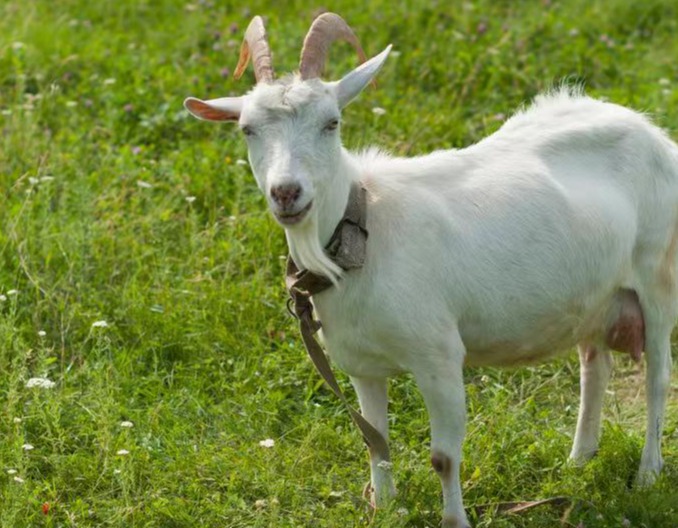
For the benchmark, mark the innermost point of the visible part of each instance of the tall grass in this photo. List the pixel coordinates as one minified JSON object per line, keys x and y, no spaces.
{"x":116,"y":207}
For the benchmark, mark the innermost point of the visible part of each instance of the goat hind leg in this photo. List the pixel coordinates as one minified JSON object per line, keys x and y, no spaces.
{"x":658,"y":378}
{"x":595,"y":365}
{"x":373,"y":398}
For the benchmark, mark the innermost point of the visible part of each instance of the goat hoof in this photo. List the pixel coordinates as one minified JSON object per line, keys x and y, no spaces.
{"x":648,"y":473}
{"x":645,"y":479}
{"x":580,"y":459}
{"x":368,"y":495}
{"x":452,"y":521}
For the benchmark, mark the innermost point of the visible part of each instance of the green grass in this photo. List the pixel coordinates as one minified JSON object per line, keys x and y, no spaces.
{"x":199,"y":352}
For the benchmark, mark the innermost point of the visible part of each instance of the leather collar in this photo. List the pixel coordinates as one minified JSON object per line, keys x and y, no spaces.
{"x":347,"y":249}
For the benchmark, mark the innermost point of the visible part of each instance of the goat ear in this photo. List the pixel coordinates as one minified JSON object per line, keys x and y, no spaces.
{"x":223,"y":109}
{"x":353,"y":83}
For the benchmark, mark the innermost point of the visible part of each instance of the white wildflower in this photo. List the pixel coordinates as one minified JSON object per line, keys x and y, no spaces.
{"x":240,"y":162}
{"x":126,"y":424}
{"x":377,"y":110}
{"x":42,"y":333}
{"x":269,"y":442}
{"x":17,"y":420}
{"x":12,"y":292}
{"x":385,"y":465}
{"x":337,"y":494}
{"x":46,"y":178}
{"x":27,"y":447}
{"x":144,"y":185}
{"x":117,"y":472}
{"x":19,"y":480}
{"x":664,"y":82}
{"x":190,"y":199}
{"x":42,"y":383}
{"x":402,"y":511}
{"x":33,"y":181}
{"x":99,"y":324}
{"x":395,"y":53}
{"x":109,"y":81}
{"x":122,"y":452}
{"x":3,"y":298}
{"x":11,"y":471}
{"x":260,"y":503}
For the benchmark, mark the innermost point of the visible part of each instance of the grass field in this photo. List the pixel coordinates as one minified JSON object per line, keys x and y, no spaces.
{"x":116,"y":207}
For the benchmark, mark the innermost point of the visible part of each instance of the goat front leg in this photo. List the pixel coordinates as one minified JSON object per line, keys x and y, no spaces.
{"x":595,"y":366}
{"x":373,"y":399}
{"x":441,"y":382}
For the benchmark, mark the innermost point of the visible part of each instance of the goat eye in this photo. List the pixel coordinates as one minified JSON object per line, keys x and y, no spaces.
{"x":247,"y":130}
{"x":331,"y":125}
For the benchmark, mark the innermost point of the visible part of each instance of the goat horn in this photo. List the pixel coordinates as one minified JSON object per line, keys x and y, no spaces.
{"x":325,"y":29}
{"x":255,"y":44}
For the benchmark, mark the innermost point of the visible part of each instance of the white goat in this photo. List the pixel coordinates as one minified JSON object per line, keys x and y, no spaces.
{"x":560,"y":229}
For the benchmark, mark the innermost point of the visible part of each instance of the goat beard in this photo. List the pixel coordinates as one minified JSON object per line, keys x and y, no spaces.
{"x":304,"y":244}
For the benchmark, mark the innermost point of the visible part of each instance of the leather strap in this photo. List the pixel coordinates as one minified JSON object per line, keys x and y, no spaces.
{"x":347,"y":249}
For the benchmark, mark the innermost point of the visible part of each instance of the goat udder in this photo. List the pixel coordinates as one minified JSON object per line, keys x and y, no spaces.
{"x":626,"y":333}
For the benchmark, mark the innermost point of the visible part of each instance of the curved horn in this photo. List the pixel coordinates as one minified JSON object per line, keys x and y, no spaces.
{"x":255,"y":44}
{"x":325,"y":29}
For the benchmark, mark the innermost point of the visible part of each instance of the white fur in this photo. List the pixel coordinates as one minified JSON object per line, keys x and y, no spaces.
{"x":505,"y":252}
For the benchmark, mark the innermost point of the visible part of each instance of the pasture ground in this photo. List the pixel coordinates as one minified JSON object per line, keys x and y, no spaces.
{"x":115,"y":206}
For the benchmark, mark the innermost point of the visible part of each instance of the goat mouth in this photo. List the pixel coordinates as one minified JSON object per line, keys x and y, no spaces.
{"x":289,"y":219}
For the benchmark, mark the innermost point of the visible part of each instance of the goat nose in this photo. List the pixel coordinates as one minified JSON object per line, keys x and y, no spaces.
{"x":285,"y":195}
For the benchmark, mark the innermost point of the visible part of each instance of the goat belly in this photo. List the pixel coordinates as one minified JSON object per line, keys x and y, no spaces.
{"x":552,"y":341}
{"x":617,"y":324}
